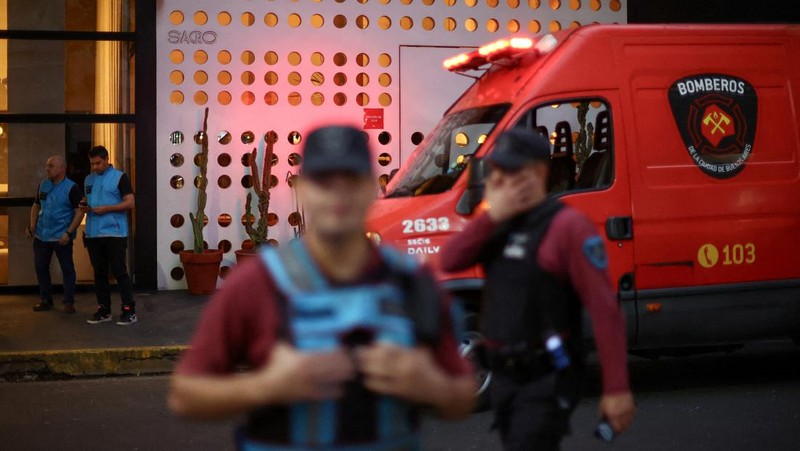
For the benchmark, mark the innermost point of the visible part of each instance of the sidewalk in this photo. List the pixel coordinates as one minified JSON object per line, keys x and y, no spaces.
{"x":52,"y":344}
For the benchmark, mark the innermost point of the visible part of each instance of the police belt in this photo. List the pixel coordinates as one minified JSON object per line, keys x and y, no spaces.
{"x":520,"y":361}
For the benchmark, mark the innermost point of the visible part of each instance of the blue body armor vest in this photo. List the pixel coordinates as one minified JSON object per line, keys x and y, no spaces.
{"x":103,"y":189}
{"x":321,"y":318}
{"x":55,"y":210}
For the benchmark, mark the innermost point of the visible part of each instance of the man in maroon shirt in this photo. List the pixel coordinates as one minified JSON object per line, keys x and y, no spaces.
{"x":299,"y":392}
{"x":543,"y":261}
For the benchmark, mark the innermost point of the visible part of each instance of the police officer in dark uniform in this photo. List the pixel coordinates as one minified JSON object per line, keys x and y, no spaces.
{"x":544,"y":261}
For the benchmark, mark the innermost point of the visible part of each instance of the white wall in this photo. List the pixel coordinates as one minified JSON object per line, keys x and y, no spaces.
{"x":449,"y":22}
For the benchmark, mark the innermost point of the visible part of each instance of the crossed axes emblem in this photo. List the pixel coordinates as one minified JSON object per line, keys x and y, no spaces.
{"x":723,"y":120}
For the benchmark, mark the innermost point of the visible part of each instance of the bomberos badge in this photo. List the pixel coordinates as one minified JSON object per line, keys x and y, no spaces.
{"x":716,"y":116}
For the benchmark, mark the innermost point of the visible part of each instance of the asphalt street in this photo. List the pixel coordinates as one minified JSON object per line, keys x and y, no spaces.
{"x":747,"y":400}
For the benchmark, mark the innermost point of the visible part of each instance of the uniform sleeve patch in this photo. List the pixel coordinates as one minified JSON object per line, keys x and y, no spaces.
{"x":595,"y":252}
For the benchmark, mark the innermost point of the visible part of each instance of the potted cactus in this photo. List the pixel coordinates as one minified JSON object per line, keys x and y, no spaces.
{"x":257,"y":228}
{"x":201,"y":265}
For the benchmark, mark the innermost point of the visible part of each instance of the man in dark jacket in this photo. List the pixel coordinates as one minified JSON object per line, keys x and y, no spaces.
{"x":544,"y":261}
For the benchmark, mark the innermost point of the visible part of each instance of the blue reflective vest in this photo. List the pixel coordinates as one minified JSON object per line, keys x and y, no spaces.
{"x":55,"y":210}
{"x":103,"y":189}
{"x":321,"y":318}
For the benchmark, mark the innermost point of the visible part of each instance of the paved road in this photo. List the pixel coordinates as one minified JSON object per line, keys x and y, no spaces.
{"x":747,"y":400}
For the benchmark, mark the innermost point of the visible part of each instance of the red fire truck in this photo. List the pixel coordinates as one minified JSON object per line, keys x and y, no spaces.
{"x":680,"y":142}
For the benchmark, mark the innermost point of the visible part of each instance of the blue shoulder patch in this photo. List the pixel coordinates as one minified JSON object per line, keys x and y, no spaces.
{"x":595,"y":252}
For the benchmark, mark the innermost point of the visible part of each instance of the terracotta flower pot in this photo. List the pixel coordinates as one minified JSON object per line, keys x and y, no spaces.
{"x":242,"y":255}
{"x":201,"y":270}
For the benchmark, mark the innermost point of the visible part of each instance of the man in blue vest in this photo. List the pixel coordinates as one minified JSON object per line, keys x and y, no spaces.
{"x":55,"y":218}
{"x":109,"y":196}
{"x":344,"y":341}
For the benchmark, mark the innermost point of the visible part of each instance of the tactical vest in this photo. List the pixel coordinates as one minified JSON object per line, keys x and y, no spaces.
{"x":321,"y":317}
{"x":55,"y":210}
{"x":103,"y":189}
{"x":521,"y":301}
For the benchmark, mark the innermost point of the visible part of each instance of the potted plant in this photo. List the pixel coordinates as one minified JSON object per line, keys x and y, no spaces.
{"x":258,"y":228}
{"x":201,"y":265}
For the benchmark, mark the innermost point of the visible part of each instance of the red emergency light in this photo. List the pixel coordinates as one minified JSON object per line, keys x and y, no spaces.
{"x":503,"y":48}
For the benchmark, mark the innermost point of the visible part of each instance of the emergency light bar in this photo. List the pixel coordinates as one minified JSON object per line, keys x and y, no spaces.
{"x":503,"y":48}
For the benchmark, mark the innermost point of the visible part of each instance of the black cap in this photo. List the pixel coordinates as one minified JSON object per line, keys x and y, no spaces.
{"x":336,"y":148}
{"x":518,"y":146}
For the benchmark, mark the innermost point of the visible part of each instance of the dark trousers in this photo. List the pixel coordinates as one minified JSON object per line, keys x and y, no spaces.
{"x":42,"y":254}
{"x":533,"y":415}
{"x":110,"y":252}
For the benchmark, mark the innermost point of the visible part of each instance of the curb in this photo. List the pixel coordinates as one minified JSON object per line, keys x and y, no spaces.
{"x":91,"y":362}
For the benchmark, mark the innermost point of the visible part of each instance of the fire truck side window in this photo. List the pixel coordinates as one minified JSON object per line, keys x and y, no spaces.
{"x":579,"y":131}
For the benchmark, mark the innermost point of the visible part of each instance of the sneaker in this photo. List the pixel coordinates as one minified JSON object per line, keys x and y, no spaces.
{"x":127,"y":318}
{"x":69,"y":309}
{"x":99,"y":316}
{"x":42,"y":306}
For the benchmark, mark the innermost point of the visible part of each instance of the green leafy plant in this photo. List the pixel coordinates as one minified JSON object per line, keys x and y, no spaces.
{"x":258,"y":229}
{"x":199,"y":217}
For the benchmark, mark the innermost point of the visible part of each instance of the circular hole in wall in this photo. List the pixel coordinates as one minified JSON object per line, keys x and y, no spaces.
{"x":406,"y":23}
{"x":339,"y":59}
{"x":615,"y":5}
{"x":362,"y":79}
{"x":246,"y":159}
{"x":247,"y":181}
{"x":428,"y":23}
{"x":271,"y":58}
{"x":339,"y":21}
{"x":224,"y":98}
{"x":200,"y":18}
{"x":248,"y":57}
{"x":224,"y":77}
{"x":248,"y":77}
{"x":385,"y":99}
{"x":270,"y":78}
{"x":248,"y":19}
{"x":294,"y":78}
{"x":176,"y":17}
{"x":294,"y":58}
{"x":248,"y":98}
{"x":384,"y":137}
{"x":554,"y":26}
{"x":385,"y":60}
{"x":176,"y":182}
{"x":199,"y":181}
{"x":224,"y":181}
{"x":294,"y":219}
{"x":200,"y":56}
{"x":176,"y":77}
{"x":270,"y":19}
{"x":362,"y":22}
{"x":385,"y":79}
{"x":513,"y":4}
{"x":224,"y":57}
{"x":272,"y":219}
{"x":176,"y":247}
{"x":294,"y":98}
{"x":248,"y":219}
{"x":317,"y":59}
{"x":271,"y":136}
{"x":449,"y":24}
{"x":555,"y":4}
{"x":176,"y":57}
{"x":270,"y":98}
{"x":224,"y":219}
{"x":294,"y":137}
{"x":200,"y":77}
{"x":176,"y":97}
{"x":513,"y":26}
{"x":248,"y":137}
{"x":533,"y":4}
{"x":384,"y":22}
{"x":384,"y":159}
{"x":362,"y":99}
{"x":317,"y":21}
{"x":339,"y":79}
{"x":224,"y":159}
{"x":295,"y":159}
{"x":199,"y":137}
{"x":224,"y":245}
{"x":362,"y":59}
{"x":317,"y":79}
{"x":176,"y":220}
{"x":339,"y":98}
{"x":200,"y":98}
{"x":417,"y":138}
{"x":294,"y":20}
{"x":224,"y":18}
{"x":471,"y":24}
{"x":273,"y":181}
{"x":176,"y":137}
{"x":176,"y":160}
{"x":317,"y":98}
{"x":176,"y":273}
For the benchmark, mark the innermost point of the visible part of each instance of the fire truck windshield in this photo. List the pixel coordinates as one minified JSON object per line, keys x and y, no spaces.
{"x":436,"y":165}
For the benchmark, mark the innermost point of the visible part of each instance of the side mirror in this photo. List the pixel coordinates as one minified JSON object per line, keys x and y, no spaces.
{"x":476,"y":175}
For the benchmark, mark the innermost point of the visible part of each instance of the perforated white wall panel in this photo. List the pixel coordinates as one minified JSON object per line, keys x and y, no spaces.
{"x":285,"y":66}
